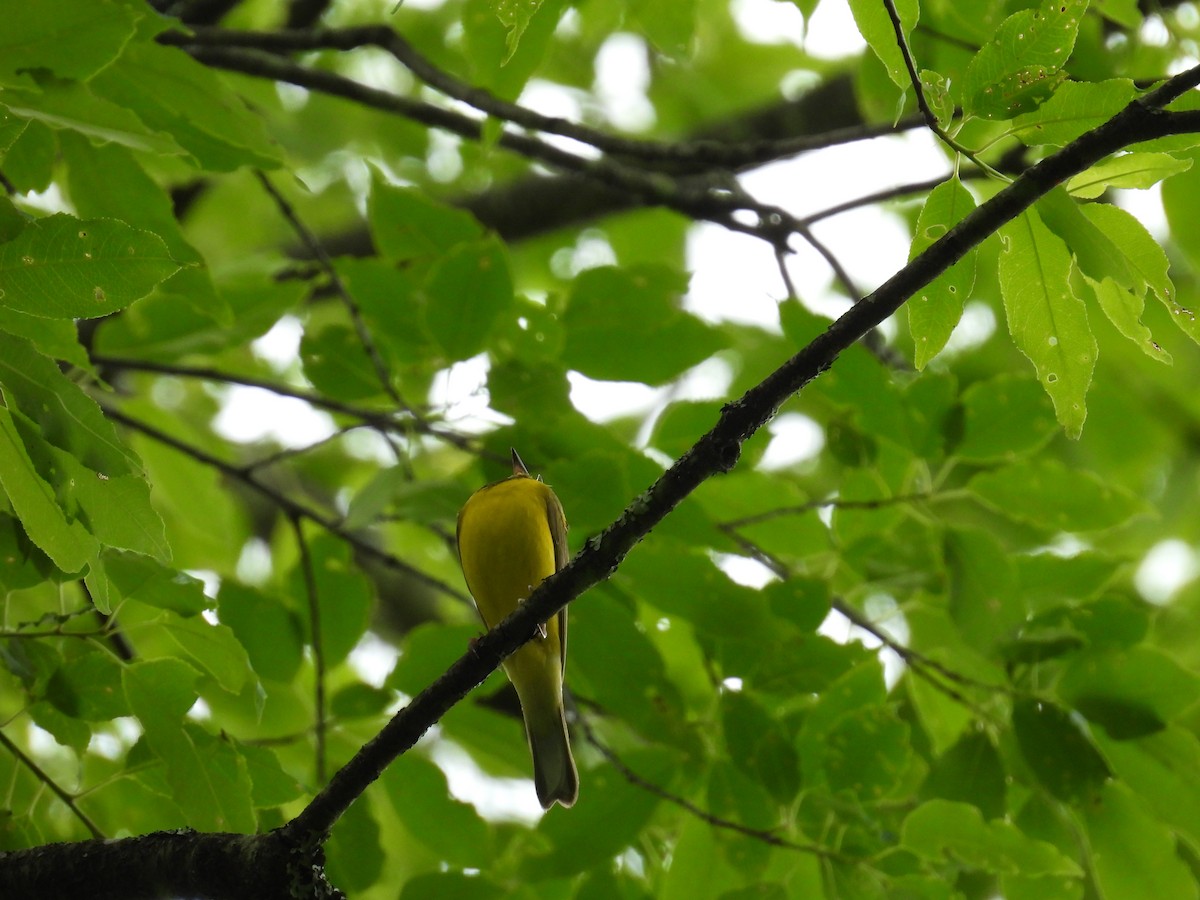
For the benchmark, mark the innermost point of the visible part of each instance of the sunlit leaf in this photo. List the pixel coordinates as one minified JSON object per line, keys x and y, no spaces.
{"x":1047,"y":320}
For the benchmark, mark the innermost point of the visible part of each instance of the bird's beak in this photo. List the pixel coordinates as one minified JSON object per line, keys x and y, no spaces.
{"x":518,"y":466}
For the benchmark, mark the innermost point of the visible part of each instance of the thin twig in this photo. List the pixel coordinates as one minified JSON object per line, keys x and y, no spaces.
{"x":318,"y":644}
{"x":694,"y":197}
{"x":285,"y":503}
{"x":697,"y":152}
{"x":758,"y":834}
{"x":828,"y":503}
{"x":922,"y":103}
{"x":49,"y":782}
{"x":339,"y":287}
{"x":376,"y":418}
{"x":287,"y":453}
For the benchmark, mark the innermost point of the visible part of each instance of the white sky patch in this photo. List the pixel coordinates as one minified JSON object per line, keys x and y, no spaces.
{"x":795,"y":438}
{"x":602,"y":401}
{"x":768,"y":21}
{"x":1167,"y":567}
{"x":837,"y":627}
{"x":735,"y":277}
{"x":978,"y":323}
{"x":373,"y":659}
{"x":1147,"y":206}
{"x":251,"y":414}
{"x":280,"y":347}
{"x":254,"y":562}
{"x":832,"y":33}
{"x":496,"y":799}
{"x":622,"y":77}
{"x":461,"y":394}
{"x":743,"y":570}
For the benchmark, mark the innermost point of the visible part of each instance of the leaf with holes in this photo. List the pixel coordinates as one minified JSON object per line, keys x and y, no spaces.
{"x":61,"y":267}
{"x":935,"y":309}
{"x":1047,"y":321}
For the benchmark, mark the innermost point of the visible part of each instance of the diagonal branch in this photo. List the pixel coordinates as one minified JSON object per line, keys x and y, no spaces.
{"x":718,"y":450}
{"x":40,"y":774}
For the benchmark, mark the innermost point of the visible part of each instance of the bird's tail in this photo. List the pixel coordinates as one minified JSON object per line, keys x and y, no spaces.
{"x":554,"y":774}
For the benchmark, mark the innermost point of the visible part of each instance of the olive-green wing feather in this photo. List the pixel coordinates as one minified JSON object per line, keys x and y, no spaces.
{"x":557,"y":520}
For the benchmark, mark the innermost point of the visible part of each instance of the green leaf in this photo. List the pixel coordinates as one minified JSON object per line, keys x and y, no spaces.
{"x":1051,"y":495}
{"x":1073,"y":108}
{"x":935,"y":309}
{"x":64,"y":540}
{"x":1004,"y":417}
{"x":610,"y":817}
{"x":1164,"y":770}
{"x":107,"y":181}
{"x":984,"y":600}
{"x":142,"y":579}
{"x":337,"y":364}
{"x":55,"y":338}
{"x":1124,"y":309}
{"x":940,"y":827}
{"x":212,"y":647}
{"x":875,"y":25}
{"x":1020,"y":66}
{"x":66,"y":268}
{"x":421,"y":799}
{"x":670,"y":27}
{"x":407,"y":224}
{"x":89,"y":687}
{"x":79,"y":39}
{"x":1181,"y":196}
{"x":970,"y":771}
{"x":1133,"y":854}
{"x":173,"y":93}
{"x":208,"y":778}
{"x":1057,"y":751}
{"x":866,"y":754}
{"x":354,"y":849}
{"x":343,"y":597}
{"x":467,"y":290}
{"x":359,"y":701}
{"x":1145,"y":259}
{"x":270,"y":633}
{"x":1130,"y":692}
{"x":394,"y":492}
{"x":501,"y":57}
{"x":428,"y":651}
{"x":1048,"y":579}
{"x":760,"y":746}
{"x":1047,"y":321}
{"x":627,"y":325}
{"x":1129,"y":170}
{"x":115,"y":508}
{"x":73,"y":106}
{"x":272,"y":785}
{"x":22,"y":563}
{"x":682,"y":582}
{"x":391,"y":308}
{"x":1096,"y":251}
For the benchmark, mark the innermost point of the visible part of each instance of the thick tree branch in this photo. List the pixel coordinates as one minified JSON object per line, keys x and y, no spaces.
{"x":164,"y":866}
{"x":718,"y":450}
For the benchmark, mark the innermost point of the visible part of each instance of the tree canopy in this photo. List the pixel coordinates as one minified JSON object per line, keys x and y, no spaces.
{"x":947,"y":645}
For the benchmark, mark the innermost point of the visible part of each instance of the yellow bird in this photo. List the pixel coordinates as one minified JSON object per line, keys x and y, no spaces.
{"x":511,"y":535}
